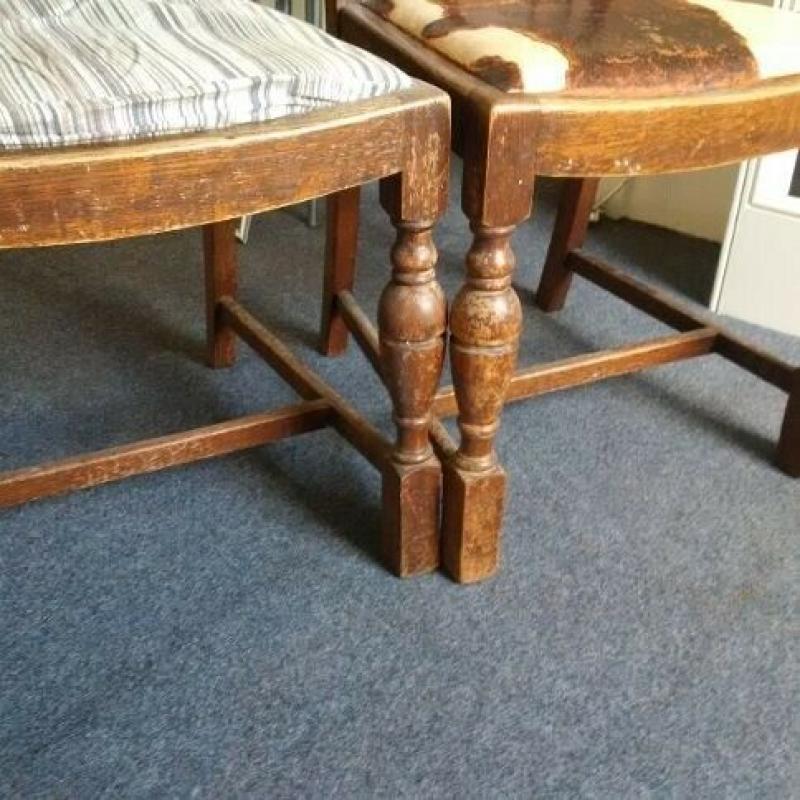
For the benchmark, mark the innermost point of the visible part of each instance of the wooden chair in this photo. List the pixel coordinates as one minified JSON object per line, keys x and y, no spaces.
{"x":105,"y":191}
{"x":576,"y":90}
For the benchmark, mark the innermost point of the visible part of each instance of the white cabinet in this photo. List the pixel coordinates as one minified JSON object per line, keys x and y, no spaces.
{"x":759,"y":274}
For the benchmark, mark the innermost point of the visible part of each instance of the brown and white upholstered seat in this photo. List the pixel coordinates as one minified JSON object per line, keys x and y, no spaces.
{"x":574,"y":89}
{"x":605,"y":47}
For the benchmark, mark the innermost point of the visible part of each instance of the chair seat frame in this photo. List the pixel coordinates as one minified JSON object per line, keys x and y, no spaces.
{"x":506,"y":140}
{"x":209,"y":180}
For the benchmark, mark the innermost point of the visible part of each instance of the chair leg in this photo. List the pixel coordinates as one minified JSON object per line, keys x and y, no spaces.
{"x":789,"y":445}
{"x":340,"y":266}
{"x":221,"y":268}
{"x":572,"y":223}
{"x":412,"y":318}
{"x":485,"y":326}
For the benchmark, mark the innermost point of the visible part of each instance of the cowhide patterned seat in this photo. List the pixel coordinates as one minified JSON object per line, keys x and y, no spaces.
{"x":574,"y":89}
{"x":605,"y":47}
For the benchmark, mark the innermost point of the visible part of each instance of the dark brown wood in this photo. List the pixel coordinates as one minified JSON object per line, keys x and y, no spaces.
{"x":347,"y":421}
{"x":572,"y":223}
{"x":579,"y":136}
{"x":506,"y":139}
{"x":789,"y":444}
{"x":412,"y":317}
{"x":412,"y":483}
{"x":755,"y":360}
{"x":664,"y":307}
{"x":340,"y":266}
{"x":116,"y":463}
{"x":90,"y":194}
{"x":556,"y":376}
{"x":485,"y":326}
{"x":96,"y":193}
{"x":586,"y":369}
{"x":366,"y":336}
{"x":221,"y":269}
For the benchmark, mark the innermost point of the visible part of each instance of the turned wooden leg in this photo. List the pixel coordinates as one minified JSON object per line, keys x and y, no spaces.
{"x":485,"y":325}
{"x":789,"y":445}
{"x":412,"y":318}
{"x":221,"y":267}
{"x":572,"y":223}
{"x":340,"y":266}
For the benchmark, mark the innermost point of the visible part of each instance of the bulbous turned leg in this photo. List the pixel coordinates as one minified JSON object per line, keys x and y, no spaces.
{"x":569,"y":233}
{"x":221,"y":266}
{"x":412,"y":319}
{"x":485,"y":325}
{"x":789,"y":445}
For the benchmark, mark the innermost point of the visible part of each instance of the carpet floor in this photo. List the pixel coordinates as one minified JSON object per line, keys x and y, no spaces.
{"x":225,"y":630}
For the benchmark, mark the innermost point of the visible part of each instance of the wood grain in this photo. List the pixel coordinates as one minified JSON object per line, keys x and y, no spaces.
{"x":80,"y":194}
{"x":109,"y":192}
{"x":508,"y":139}
{"x":341,"y":243}
{"x":347,"y":421}
{"x":222,"y":279}
{"x":572,"y":223}
{"x":613,"y":135}
{"x":116,"y":463}
{"x":664,"y":307}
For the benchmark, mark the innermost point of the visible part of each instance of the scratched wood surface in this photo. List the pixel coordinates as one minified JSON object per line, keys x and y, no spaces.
{"x":621,"y":109}
{"x":573,"y":135}
{"x":70,"y":195}
{"x":83,"y":194}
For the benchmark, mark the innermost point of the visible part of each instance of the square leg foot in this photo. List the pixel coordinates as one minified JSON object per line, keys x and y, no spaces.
{"x":410,"y":530}
{"x":473,"y":518}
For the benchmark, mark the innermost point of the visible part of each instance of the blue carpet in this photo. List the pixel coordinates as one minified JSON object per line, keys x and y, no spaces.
{"x":224,"y":630}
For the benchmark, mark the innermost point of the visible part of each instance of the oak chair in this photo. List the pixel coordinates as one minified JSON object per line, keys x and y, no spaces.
{"x":161,"y":179}
{"x":577,"y":90}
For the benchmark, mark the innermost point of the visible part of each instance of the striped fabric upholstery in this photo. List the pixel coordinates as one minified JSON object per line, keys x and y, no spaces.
{"x":87,"y":71}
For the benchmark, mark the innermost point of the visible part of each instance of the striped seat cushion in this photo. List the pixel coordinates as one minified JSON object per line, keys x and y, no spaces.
{"x":87,"y":71}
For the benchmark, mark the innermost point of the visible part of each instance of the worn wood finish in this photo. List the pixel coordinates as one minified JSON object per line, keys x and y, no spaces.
{"x":662,"y":306}
{"x":507,"y":139}
{"x":348,"y":422}
{"x":222,"y":279}
{"x":602,"y":136}
{"x":412,"y":316}
{"x":485,"y":327}
{"x":407,"y":354}
{"x":116,"y":463}
{"x":340,"y":266}
{"x":569,"y":233}
{"x":366,"y":336}
{"x":585,"y":369}
{"x":80,"y":194}
{"x":98,"y":193}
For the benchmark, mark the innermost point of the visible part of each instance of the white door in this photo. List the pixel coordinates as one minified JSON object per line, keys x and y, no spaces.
{"x":759,"y":275}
